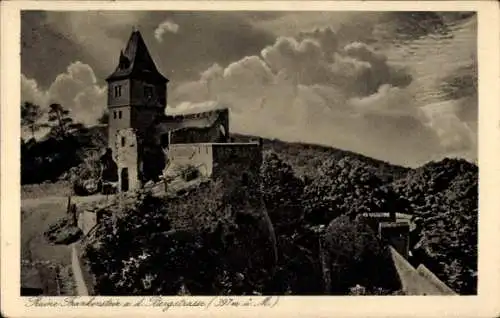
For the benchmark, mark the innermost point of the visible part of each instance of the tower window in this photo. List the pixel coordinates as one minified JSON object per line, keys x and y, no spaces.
{"x":118,"y":90}
{"x":120,"y":114}
{"x":123,"y":141}
{"x":114,"y":114}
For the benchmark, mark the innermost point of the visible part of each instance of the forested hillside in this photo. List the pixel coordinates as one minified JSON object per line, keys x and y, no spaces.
{"x":308,"y":192}
{"x":445,"y":197}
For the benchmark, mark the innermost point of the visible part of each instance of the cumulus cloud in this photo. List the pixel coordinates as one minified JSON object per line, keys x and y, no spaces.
{"x":166,"y":26}
{"x":387,"y":101}
{"x":308,"y":88}
{"x":76,"y":90}
{"x":349,"y":81}
{"x":32,"y":93}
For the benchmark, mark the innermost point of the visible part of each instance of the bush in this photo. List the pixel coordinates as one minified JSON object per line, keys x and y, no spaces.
{"x":353,"y":255}
{"x":203,"y":246}
{"x":281,"y":192}
{"x":85,"y":177}
{"x":348,"y":187}
{"x":445,"y":196}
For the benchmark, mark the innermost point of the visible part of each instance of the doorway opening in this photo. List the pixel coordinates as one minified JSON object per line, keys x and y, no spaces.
{"x":124,"y":180}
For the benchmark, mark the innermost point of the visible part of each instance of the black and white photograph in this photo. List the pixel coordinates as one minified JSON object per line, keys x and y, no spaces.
{"x":248,"y":153}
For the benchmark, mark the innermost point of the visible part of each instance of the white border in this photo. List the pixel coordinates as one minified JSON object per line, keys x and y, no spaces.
{"x":486,"y":304}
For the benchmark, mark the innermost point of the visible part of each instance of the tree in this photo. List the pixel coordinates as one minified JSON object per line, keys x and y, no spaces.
{"x":281,"y":191}
{"x":30,"y":114}
{"x":348,"y":187}
{"x":61,"y":123}
{"x":352,"y":254}
{"x":201,"y":243}
{"x":104,"y":119}
{"x":445,"y":196}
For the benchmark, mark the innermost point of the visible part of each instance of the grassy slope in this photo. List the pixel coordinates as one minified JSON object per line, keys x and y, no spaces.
{"x":304,"y":158}
{"x":307,"y":158}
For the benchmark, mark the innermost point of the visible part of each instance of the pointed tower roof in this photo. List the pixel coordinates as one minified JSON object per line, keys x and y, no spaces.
{"x":136,"y":61}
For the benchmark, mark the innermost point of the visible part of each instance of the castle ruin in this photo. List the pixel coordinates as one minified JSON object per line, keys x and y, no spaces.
{"x":145,"y":140}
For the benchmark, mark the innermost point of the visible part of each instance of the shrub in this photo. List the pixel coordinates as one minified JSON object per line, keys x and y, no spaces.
{"x":348,"y":187}
{"x":85,"y":177}
{"x":281,"y":192}
{"x":353,"y":255}
{"x":201,"y":243}
{"x":445,"y":196}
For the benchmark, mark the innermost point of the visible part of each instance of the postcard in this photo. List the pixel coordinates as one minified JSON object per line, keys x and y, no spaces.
{"x":250,"y":158}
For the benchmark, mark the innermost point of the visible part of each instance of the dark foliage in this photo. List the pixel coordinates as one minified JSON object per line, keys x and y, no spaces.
{"x":348,"y":187}
{"x":63,"y":148}
{"x":207,"y":254}
{"x":354,"y":256}
{"x":445,"y":196}
{"x":281,"y":192}
{"x":30,"y":116}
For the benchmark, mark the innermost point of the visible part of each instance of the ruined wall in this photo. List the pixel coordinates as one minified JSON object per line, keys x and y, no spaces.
{"x":119,"y":118}
{"x":198,"y":155}
{"x":196,"y":135}
{"x":207,"y":127}
{"x":229,"y":161}
{"x":127,"y":160}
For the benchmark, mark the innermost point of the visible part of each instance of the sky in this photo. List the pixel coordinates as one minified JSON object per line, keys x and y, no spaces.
{"x":396,"y":86}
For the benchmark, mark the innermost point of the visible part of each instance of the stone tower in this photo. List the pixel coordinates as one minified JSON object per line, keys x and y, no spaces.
{"x":137,"y":94}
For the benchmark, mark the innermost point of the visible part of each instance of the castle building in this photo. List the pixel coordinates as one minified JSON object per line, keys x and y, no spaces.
{"x":144,"y":138}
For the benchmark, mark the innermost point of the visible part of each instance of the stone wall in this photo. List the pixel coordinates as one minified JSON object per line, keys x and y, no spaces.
{"x":127,"y":159}
{"x":86,"y":221}
{"x":198,"y":155}
{"x":124,"y":97}
{"x":196,"y":135}
{"x":414,"y":282}
{"x":230,"y":161}
{"x":205,"y":127}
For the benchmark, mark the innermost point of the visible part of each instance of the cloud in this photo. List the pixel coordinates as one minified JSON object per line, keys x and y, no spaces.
{"x":307,"y":88}
{"x":359,"y":81}
{"x":164,"y":27}
{"x":32,"y":93}
{"x":76,"y":89}
{"x":388,"y":101}
{"x":454,"y":134}
{"x":53,"y":39}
